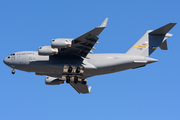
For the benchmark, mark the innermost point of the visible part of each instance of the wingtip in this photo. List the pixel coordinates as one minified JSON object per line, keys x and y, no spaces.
{"x":104,"y":23}
{"x":89,"y":89}
{"x":173,"y":23}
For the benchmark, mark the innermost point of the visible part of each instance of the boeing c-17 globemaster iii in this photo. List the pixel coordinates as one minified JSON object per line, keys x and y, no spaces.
{"x":69,"y":59}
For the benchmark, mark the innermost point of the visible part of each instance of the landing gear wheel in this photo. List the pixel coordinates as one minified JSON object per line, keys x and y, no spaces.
{"x":84,"y":82}
{"x":67,"y":79}
{"x":13,"y":72}
{"x":70,"y":69}
{"x":75,"y":79}
{"x":78,"y":70}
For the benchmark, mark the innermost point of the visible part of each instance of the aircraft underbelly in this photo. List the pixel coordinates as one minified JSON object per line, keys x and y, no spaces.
{"x":48,"y":69}
{"x":112,"y":63}
{"x":95,"y":66}
{"x":106,"y":70}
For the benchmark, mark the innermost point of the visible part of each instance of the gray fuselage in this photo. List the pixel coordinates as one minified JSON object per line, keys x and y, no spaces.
{"x":94,"y":64}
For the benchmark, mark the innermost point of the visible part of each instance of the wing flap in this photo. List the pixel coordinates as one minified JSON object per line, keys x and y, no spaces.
{"x":87,"y":41}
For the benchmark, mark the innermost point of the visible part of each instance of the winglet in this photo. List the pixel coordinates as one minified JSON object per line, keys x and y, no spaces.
{"x":89,"y":89}
{"x":104,"y":23}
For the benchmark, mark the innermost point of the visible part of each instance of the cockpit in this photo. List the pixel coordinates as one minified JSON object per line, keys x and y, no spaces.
{"x":19,"y":59}
{"x":11,"y":55}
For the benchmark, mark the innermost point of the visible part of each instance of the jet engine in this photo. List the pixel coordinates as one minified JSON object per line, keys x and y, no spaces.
{"x":53,"y":81}
{"x":47,"y":50}
{"x":61,"y":43}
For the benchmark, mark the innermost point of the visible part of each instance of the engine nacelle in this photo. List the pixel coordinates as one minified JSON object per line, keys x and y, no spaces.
{"x":47,"y":50}
{"x":61,"y":43}
{"x":53,"y":81}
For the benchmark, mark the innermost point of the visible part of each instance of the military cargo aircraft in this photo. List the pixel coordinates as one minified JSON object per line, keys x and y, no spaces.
{"x":69,"y":59}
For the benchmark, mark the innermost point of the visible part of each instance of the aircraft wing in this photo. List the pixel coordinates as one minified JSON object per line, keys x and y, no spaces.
{"x":83,"y":44}
{"x":81,"y":88}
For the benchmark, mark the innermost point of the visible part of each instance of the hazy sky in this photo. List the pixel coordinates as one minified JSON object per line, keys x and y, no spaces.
{"x":148,"y":93}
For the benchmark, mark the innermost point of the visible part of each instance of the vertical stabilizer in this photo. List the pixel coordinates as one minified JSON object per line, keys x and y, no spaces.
{"x":151,"y":40}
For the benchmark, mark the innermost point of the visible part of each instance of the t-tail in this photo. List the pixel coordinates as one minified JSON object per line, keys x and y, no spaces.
{"x":151,"y":40}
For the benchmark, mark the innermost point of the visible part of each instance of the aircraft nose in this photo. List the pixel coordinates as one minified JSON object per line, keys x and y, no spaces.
{"x":5,"y":61}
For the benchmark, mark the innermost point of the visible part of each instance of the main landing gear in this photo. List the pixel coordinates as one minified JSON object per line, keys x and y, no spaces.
{"x":78,"y":70}
{"x":73,"y":73}
{"x":75,"y":79}
{"x":68,"y":79}
{"x":70,"y":69}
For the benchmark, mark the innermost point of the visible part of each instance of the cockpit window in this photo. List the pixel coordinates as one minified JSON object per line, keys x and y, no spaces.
{"x":13,"y":54}
{"x":8,"y":57}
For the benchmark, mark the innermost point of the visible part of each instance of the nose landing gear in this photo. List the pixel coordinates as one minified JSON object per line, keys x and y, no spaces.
{"x":13,"y":71}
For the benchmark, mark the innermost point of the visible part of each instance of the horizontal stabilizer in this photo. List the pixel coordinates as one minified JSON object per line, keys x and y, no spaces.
{"x":163,"y":30}
{"x":163,"y":45}
{"x":151,"y":40}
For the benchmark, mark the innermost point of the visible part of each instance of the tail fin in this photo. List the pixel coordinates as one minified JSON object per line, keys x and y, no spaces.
{"x":151,"y":40}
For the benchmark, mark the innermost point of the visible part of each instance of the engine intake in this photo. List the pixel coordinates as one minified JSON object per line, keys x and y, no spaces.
{"x":61,"y":43}
{"x":47,"y":50}
{"x":53,"y":81}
